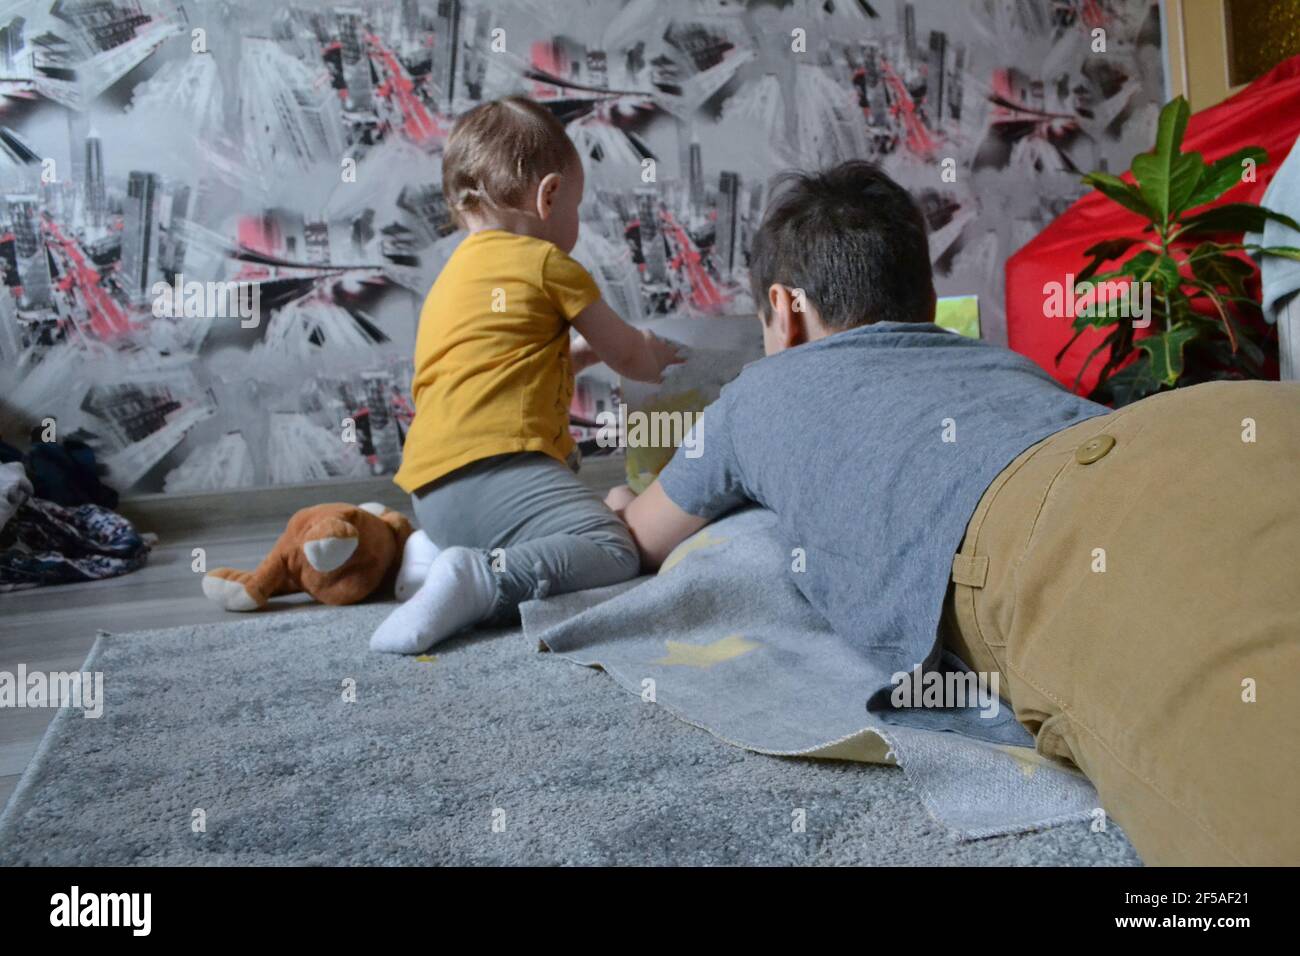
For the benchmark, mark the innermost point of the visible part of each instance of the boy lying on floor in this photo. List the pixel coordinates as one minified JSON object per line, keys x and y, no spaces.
{"x":1129,"y":575}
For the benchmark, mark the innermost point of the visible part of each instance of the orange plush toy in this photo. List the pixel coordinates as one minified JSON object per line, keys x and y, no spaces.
{"x":339,"y":554}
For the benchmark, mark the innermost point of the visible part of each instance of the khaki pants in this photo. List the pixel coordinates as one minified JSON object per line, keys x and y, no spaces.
{"x":1134,"y":579}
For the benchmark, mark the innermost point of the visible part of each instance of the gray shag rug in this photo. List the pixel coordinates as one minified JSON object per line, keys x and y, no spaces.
{"x":490,"y":753}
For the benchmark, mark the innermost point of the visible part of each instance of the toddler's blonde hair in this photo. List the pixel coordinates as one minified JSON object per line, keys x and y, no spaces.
{"x":498,"y":152}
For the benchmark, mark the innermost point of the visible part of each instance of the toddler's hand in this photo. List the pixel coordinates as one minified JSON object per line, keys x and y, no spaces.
{"x":619,"y":497}
{"x":581,"y":354}
{"x":663,"y":352}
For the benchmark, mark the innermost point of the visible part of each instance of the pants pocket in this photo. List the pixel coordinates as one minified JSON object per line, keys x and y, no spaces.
{"x":962,"y":636}
{"x":1053,"y":739}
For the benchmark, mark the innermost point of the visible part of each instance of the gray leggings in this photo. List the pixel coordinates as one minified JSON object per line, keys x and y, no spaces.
{"x":555,"y":533}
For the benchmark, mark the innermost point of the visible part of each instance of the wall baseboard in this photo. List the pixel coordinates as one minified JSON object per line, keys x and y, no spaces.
{"x":171,"y":515}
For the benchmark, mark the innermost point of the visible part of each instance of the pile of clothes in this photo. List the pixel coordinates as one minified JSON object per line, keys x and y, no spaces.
{"x":56,"y":519}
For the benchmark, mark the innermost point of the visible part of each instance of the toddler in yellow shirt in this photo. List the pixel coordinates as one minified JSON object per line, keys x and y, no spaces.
{"x":502,"y":516}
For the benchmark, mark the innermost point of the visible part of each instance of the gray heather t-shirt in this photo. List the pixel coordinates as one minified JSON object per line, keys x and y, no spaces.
{"x":873,"y":447}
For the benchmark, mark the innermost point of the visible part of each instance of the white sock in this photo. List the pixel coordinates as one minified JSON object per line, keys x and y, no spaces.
{"x":459,"y":590}
{"x":417,"y":555}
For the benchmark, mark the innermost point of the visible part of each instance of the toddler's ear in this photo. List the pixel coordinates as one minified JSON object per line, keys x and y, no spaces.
{"x":547,"y":190}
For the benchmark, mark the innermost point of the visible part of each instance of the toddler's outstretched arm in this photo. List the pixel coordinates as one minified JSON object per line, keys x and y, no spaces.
{"x":633,"y":353}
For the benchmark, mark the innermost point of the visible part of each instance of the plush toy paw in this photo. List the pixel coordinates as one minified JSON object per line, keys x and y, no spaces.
{"x":233,"y":590}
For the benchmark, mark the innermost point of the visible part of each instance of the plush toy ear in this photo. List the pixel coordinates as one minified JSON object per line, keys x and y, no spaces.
{"x":401,"y":526}
{"x":329,"y":543}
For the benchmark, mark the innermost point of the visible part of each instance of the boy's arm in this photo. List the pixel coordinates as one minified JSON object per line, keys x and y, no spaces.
{"x":698,"y":485}
{"x":632,"y":353}
{"x":656,"y":523}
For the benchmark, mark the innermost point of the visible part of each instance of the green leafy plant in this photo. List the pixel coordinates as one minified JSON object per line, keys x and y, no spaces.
{"x":1203,"y":323}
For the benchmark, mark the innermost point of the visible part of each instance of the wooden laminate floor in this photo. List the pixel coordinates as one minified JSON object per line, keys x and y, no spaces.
{"x":53,"y":628}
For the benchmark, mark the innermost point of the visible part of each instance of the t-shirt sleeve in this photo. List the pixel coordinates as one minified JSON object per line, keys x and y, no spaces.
{"x":570,"y":287}
{"x":703,"y":477}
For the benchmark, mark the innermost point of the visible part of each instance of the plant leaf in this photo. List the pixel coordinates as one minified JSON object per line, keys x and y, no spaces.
{"x":1223,"y":174}
{"x":1112,"y":187}
{"x":1171,"y":126}
{"x":1130,"y":383}
{"x":1286,"y":252}
{"x":1166,"y":352}
{"x":1066,"y":347}
{"x":1233,"y":217}
{"x":1148,"y":266}
{"x":1168,"y":182}
{"x":1104,"y":251}
{"x":1109,"y":300}
{"x":1228,"y":328}
{"x":1166,"y":176}
{"x":1253,"y":353}
{"x":1111,"y":339}
{"x":1110,"y":248}
{"x":1216,"y":268}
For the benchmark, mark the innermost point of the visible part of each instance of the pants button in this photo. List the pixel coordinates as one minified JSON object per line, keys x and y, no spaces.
{"x":1094,"y":449}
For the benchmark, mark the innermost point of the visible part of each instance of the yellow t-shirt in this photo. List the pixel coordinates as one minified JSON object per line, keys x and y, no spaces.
{"x":492,"y":371}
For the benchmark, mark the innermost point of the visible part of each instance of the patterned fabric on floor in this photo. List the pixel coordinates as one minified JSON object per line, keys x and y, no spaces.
{"x":44,"y":543}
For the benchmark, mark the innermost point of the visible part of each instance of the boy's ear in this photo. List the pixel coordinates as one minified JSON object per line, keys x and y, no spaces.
{"x":787,"y":315}
{"x":546,"y":192}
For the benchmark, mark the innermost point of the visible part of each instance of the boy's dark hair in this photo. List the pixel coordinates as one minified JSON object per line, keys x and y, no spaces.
{"x":853,"y":240}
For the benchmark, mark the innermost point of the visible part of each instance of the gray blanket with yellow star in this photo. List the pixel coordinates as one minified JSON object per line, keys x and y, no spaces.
{"x":722,"y":639}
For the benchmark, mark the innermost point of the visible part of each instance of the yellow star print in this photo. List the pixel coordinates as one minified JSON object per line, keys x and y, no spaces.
{"x":697,"y":541}
{"x":706,"y":655}
{"x":1028,"y":758}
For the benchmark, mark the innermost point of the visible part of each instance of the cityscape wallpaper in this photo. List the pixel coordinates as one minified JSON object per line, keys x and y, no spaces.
{"x":218,"y":218}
